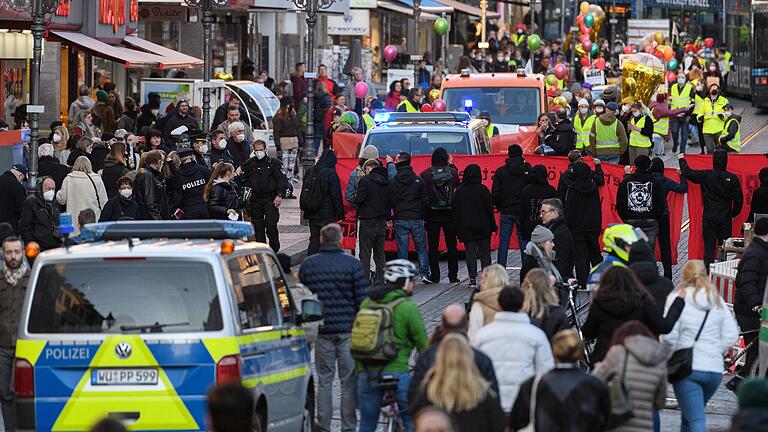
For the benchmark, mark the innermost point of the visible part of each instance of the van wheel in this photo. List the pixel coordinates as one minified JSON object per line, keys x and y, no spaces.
{"x":258,"y":422}
{"x":308,"y":423}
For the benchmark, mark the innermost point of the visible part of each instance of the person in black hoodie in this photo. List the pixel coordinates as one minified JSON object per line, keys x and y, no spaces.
{"x":121,"y":205}
{"x":221,"y":195}
{"x":410,"y":200}
{"x":148,"y":112}
{"x":563,"y":140}
{"x":149,"y":189}
{"x":49,"y":165}
{"x":439,"y":214}
{"x":583,"y":216}
{"x":759,"y":202}
{"x":722,"y":196}
{"x":508,"y":184}
{"x":188,"y":193}
{"x":531,"y":197}
{"x":642,"y":262}
{"x":40,"y":216}
{"x":331,"y":208}
{"x":474,"y":220}
{"x":640,"y":199}
{"x":115,"y":167}
{"x":566,"y":177}
{"x":373,"y":202}
{"x":99,"y":153}
{"x":219,"y":151}
{"x":667,"y":185}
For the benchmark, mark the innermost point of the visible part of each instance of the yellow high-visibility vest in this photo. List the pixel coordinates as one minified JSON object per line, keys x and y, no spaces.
{"x":713,"y":124}
{"x":408,"y":106}
{"x":583,"y":128}
{"x":680,"y":99}
{"x":636,"y":139}
{"x":606,"y":136}
{"x":660,"y":126}
{"x":735,"y":142}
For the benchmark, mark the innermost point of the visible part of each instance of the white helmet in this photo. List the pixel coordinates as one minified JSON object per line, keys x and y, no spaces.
{"x":399,"y":269}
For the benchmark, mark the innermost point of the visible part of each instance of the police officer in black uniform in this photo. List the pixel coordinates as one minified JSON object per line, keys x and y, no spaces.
{"x":264,"y":176}
{"x":188,"y":193}
{"x":202,"y":148}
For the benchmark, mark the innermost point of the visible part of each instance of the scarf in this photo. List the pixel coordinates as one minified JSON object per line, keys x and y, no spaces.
{"x":14,"y":276}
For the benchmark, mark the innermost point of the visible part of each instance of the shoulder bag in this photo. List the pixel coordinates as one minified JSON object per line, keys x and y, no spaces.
{"x":531,"y":426}
{"x":96,"y":190}
{"x":680,"y":365}
{"x":618,"y":390}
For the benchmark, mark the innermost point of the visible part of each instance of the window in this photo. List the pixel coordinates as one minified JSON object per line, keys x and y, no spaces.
{"x":506,"y":105}
{"x":283,"y":294}
{"x":255,"y":299}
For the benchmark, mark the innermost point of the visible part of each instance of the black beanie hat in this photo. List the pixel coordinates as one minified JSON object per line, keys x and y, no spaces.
{"x":642,"y":163}
{"x":657,"y":165}
{"x":514,"y":151}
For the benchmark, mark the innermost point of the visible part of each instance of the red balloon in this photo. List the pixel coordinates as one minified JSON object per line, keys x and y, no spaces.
{"x":600,"y":63}
{"x":671,"y":76}
{"x":659,"y":54}
{"x":426,"y":108}
{"x":709,"y":42}
{"x":551,"y":91}
{"x":629,"y":49}
{"x":690,"y":48}
{"x":586,"y":44}
{"x":580,"y":19}
{"x":438,"y":105}
{"x":585,"y":62}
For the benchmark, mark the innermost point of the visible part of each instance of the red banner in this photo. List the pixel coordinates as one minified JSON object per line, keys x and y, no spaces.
{"x":746,"y":167}
{"x":347,"y":145}
{"x":488,"y":164}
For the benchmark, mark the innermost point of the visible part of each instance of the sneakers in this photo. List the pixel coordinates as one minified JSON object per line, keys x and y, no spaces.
{"x":472,"y":282}
{"x":733,"y":384}
{"x":426,"y":280}
{"x":454,"y":280}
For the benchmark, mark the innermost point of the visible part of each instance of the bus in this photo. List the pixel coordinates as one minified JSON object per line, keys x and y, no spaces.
{"x":759,"y":53}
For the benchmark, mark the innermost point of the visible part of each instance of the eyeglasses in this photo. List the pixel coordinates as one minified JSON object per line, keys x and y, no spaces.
{"x":542,"y":211}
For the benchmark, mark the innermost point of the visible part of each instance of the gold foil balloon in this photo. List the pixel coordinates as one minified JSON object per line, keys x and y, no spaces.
{"x":580,"y":50}
{"x":560,"y":100}
{"x":599,"y":15}
{"x":628,"y":86}
{"x":658,"y":37}
{"x":433,"y":94}
{"x":584,"y":7}
{"x":646,"y":80}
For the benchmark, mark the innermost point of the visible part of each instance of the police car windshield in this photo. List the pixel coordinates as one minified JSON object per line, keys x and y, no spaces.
{"x":415,"y":142}
{"x":506,"y":105}
{"x":98,"y":296}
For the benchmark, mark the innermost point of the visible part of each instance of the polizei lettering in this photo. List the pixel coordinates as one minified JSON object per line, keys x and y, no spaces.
{"x":193,"y":184}
{"x":67,"y":353}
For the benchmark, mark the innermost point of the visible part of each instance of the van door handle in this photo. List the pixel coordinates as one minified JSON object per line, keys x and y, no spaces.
{"x":123,"y":416}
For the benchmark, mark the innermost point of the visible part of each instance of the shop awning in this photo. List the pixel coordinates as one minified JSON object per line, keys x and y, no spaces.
{"x":15,"y":45}
{"x":399,"y":8}
{"x":171,"y":58}
{"x":432,"y":6}
{"x":469,"y":9}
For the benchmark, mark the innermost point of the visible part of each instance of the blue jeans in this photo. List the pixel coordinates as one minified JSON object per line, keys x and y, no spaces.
{"x":610,"y":158}
{"x":414,"y":228}
{"x":679,"y":128}
{"x":693,"y":393}
{"x":369,"y":397}
{"x":506,"y":222}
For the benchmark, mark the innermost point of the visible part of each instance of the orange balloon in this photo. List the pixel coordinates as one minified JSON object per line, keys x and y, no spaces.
{"x":668,"y":52}
{"x":584,"y":7}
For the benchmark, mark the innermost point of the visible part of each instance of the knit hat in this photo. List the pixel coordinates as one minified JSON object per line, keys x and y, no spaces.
{"x":597,"y":102}
{"x":583,"y":101}
{"x":574,"y":156}
{"x":641,"y":252}
{"x":102,"y":96}
{"x":377,"y":105}
{"x":370,"y":152}
{"x":643,"y":163}
{"x":612,"y":106}
{"x":541,"y":234}
{"x":761,"y":226}
{"x":514,"y":151}
{"x":753,"y":393}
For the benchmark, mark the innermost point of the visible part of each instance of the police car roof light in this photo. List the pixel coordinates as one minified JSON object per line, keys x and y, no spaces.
{"x":381,"y":117}
{"x":468,"y":103}
{"x":200,"y":229}
{"x":65,"y":224}
{"x":428,"y":117}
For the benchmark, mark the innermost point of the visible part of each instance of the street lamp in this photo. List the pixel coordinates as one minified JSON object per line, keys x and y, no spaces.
{"x":37,"y":9}
{"x":311,"y":7}
{"x":483,"y":45}
{"x":207,"y":21}
{"x":415,"y":56}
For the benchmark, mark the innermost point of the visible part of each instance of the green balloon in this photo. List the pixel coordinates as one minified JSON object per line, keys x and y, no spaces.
{"x":441,"y":26}
{"x":534,"y":42}
{"x":589,"y":19}
{"x":595,"y":50}
{"x":672,"y":64}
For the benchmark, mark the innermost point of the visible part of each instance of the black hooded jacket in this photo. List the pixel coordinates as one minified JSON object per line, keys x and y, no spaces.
{"x":118,"y":207}
{"x":563,"y":140}
{"x":566,"y":178}
{"x":474,"y":207}
{"x":373,"y":200}
{"x":721,"y":190}
{"x":146,"y":118}
{"x":508,"y":183}
{"x":51,"y":167}
{"x":192,"y":178}
{"x":439,"y":159}
{"x":39,"y":220}
{"x":583,"y":211}
{"x":408,"y":193}
{"x":565,"y":251}
{"x":531,"y":197}
{"x":759,"y":203}
{"x":332,"y":208}
{"x":640,"y":196}
{"x":658,"y":286}
{"x":751,"y":277}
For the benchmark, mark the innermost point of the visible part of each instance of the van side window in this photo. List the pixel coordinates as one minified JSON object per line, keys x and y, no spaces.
{"x":283,"y":296}
{"x":256,"y":303}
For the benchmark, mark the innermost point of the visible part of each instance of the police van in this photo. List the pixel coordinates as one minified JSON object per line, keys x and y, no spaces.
{"x":141,"y":322}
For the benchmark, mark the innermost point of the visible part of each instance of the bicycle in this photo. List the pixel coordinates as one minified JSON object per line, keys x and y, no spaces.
{"x":573,"y":312}
{"x":389,"y":408}
{"x":732,"y":363}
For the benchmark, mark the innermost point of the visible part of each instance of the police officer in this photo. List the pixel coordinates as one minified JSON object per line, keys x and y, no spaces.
{"x":582,"y":124}
{"x":188,"y":191}
{"x":730,"y":139}
{"x":264,"y":176}
{"x":491,"y":130}
{"x":200,"y":144}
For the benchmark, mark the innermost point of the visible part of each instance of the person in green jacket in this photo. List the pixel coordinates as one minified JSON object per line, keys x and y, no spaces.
{"x":408,"y":332}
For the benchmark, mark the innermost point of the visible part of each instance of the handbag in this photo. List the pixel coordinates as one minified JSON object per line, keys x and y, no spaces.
{"x":618,"y":390}
{"x":531,"y":426}
{"x":680,"y":365}
{"x":95,"y":189}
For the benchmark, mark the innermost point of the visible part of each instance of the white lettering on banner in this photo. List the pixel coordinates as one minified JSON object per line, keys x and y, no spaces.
{"x":67,"y":353}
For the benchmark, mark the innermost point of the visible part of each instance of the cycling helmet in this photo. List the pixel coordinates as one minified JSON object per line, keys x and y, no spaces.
{"x":617,"y":239}
{"x":399,"y":269}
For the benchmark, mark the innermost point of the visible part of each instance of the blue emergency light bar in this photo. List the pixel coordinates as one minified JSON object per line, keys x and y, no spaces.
{"x":198,"y":229}
{"x":65,"y":224}
{"x":426,"y":117}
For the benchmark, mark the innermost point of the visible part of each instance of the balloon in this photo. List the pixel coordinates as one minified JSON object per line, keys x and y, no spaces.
{"x":709,"y":42}
{"x":438,"y":105}
{"x":672,"y":65}
{"x":600,"y":63}
{"x":628,"y":85}
{"x":561,"y":71}
{"x":587,"y":44}
{"x":426,"y":108}
{"x":671,"y":76}
{"x":551,"y":80}
{"x":659,"y":54}
{"x":433,"y":94}
{"x":580,"y":50}
{"x":584,"y":30}
{"x":551,"y":91}
{"x":560,"y":100}
{"x":584,"y":7}
{"x":589,"y":20}
{"x":669,"y":53}
{"x":580,"y":20}
{"x":629,"y":49}
{"x":585,"y":62}
{"x":441,"y":26}
{"x":534,"y":42}
{"x":390,"y":52}
{"x":361,"y":90}
{"x":599,"y":15}
{"x":658,"y":37}
{"x":595,"y":50}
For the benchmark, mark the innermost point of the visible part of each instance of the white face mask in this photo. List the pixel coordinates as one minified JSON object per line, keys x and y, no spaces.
{"x":698,"y":88}
{"x":240,"y":137}
{"x":583,"y":110}
{"x":727,"y":113}
{"x":56,"y":138}
{"x":260,"y":154}
{"x":222,"y":144}
{"x":154,"y":112}
{"x":126,"y":193}
{"x":599,"y":109}
{"x":233,"y":216}
{"x":203,"y":149}
{"x":624,"y":108}
{"x":636,"y":113}
{"x":681,"y":81}
{"x":48,"y":195}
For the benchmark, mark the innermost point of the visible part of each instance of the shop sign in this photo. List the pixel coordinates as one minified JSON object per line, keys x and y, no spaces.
{"x":63,"y":8}
{"x":163,"y":13}
{"x":363,"y":4}
{"x":354,"y":22}
{"x":112,"y":12}
{"x":681,"y":3}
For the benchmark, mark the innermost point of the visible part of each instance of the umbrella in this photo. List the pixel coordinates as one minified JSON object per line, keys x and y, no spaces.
{"x":355,"y":58}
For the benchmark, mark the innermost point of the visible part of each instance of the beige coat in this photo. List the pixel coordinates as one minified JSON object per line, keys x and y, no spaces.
{"x":483,"y":310}
{"x":646,"y":377}
{"x":78,"y":193}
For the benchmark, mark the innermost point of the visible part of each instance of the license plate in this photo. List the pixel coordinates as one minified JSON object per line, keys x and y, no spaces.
{"x":144,"y":376}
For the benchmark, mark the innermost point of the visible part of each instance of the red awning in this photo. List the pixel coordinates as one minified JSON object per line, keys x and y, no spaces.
{"x":119,"y":54}
{"x":171,"y":58}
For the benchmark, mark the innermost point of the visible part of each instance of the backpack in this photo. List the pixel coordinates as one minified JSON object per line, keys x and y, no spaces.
{"x":373,"y":338}
{"x":441,"y":195}
{"x":311,"y":191}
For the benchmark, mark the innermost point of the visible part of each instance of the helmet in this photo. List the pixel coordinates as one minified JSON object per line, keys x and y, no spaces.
{"x":618,"y":238}
{"x":399,"y":269}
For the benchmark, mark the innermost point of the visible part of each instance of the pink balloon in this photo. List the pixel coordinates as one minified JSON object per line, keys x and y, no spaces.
{"x":561,"y":71}
{"x":438,"y":105}
{"x":585,"y":62}
{"x":580,"y":19}
{"x":361,"y":90}
{"x":390,"y":52}
{"x":426,"y":108}
{"x":586,"y":44}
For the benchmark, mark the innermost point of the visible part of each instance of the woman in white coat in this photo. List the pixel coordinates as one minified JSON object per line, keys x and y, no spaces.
{"x":485,"y":302}
{"x":82,"y":189}
{"x":704,"y":312}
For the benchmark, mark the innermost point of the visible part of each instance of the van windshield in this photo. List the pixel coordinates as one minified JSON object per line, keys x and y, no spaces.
{"x":506,"y":105}
{"x":416,"y":142}
{"x":132,"y":295}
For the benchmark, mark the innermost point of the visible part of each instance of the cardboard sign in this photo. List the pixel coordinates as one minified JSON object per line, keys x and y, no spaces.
{"x":595,"y":77}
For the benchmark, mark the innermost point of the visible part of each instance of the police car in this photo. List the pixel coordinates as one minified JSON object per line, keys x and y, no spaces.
{"x":141,"y":322}
{"x":422,"y":133}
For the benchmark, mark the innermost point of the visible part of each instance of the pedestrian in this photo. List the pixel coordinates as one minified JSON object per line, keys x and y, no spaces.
{"x":358,"y":76}
{"x":642,"y":262}
{"x":287,"y":131}
{"x":407,"y":333}
{"x":759,"y":202}
{"x":83,"y":103}
{"x":723,"y":199}
{"x":640,"y":362}
{"x":373,"y":202}
{"x":491,"y":130}
{"x":526,"y":351}
{"x":567,"y":398}
{"x":298,"y":83}
{"x":752,"y":415}
{"x":153,"y":140}
{"x":433,"y":419}
{"x":393,"y":98}
{"x":475,"y":221}
{"x":640,"y":199}
{"x":640,"y":128}
{"x":61,"y":140}
{"x":563,"y":139}
{"x":583,"y":216}
{"x":14,"y":277}
{"x":221,"y":195}
{"x":455,"y":385}
{"x":681,"y":94}
{"x":552,"y":219}
{"x":441,"y":180}
{"x":485,"y":299}
{"x":49,"y":166}
{"x":99,"y":151}
{"x":531,"y":198}
{"x":127,"y":119}
{"x":340,"y":284}
{"x":238,"y":144}
{"x":189,"y":183}
{"x":542,"y":303}
{"x":149,"y":188}
{"x":544,"y":130}
{"x":662,"y":114}
{"x":540,"y":253}
{"x":730,"y":138}
{"x":508,"y":184}
{"x":751,"y":276}
{"x":40,"y":216}
{"x":230,"y":409}
{"x":115,"y":167}
{"x":566,"y":177}
{"x":85,"y":126}
{"x":320,"y":198}
{"x":12,"y":194}
{"x":369,"y":152}
{"x":582,"y":125}
{"x":607,"y":139}
{"x":222,"y":111}
{"x":668,"y":185}
{"x":84,"y":147}
{"x":708,"y":327}
{"x":264,"y":176}
{"x":322,"y":103}
{"x":409,"y":193}
{"x":181,"y":116}
{"x":148,"y":112}
{"x":412,"y":102}
{"x":82,"y":189}
{"x":121,"y":206}
{"x":454,"y":321}
{"x":711,"y":116}
{"x":621,"y":298}
{"x":219,"y":150}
